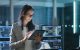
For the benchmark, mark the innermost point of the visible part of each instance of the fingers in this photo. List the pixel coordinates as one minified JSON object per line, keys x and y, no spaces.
{"x":29,"y":34}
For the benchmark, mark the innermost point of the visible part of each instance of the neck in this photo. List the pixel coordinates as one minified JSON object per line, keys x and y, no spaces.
{"x":24,"y":25}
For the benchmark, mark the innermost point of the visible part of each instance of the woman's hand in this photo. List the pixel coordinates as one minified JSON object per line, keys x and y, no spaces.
{"x":27,"y":35}
{"x":25,"y":38}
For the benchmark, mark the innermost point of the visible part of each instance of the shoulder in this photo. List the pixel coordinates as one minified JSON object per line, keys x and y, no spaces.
{"x":16,"y":28}
{"x":16,"y":25}
{"x":46,"y":45}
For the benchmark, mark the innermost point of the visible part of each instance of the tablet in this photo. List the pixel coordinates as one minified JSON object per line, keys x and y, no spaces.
{"x":36,"y":32}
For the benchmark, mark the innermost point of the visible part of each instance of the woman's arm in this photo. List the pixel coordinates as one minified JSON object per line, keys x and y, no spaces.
{"x":14,"y":43}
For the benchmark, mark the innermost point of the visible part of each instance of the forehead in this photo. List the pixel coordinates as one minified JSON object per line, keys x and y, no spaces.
{"x":30,"y":12}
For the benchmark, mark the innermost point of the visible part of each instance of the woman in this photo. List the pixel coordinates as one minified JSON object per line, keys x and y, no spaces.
{"x":22,"y":30}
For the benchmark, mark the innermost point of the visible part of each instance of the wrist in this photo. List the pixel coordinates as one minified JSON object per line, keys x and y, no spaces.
{"x":23,"y":40}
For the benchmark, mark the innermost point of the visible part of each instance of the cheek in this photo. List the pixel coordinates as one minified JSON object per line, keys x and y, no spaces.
{"x":29,"y":18}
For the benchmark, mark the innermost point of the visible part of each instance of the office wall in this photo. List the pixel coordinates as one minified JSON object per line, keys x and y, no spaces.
{"x":42,"y":15}
{"x":78,"y":19}
{"x":68,"y":1}
{"x":71,"y":40}
{"x":4,"y":15}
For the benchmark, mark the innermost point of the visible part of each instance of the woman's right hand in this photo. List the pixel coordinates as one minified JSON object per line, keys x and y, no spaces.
{"x":27,"y":36}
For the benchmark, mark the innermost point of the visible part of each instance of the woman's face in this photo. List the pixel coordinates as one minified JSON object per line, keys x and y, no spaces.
{"x":28,"y":17}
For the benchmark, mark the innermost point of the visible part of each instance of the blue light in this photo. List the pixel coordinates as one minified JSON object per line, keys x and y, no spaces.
{"x":74,"y":16}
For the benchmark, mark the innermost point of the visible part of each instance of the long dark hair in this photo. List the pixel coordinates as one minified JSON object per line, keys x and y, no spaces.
{"x":30,"y":24}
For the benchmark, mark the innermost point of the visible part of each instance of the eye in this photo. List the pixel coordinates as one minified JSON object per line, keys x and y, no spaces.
{"x":31,"y":15}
